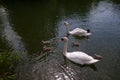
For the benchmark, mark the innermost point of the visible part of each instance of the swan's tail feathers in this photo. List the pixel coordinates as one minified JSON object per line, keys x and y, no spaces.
{"x":96,"y":56}
{"x":93,"y":61}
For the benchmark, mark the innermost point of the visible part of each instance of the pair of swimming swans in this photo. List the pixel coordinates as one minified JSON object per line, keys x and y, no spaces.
{"x":78,"y":56}
{"x":77,"y":31}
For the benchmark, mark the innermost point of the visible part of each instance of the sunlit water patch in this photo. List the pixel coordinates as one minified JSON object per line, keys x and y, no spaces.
{"x":10,"y":36}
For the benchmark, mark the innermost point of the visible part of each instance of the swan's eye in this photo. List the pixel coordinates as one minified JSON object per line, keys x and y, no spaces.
{"x":62,"y":39}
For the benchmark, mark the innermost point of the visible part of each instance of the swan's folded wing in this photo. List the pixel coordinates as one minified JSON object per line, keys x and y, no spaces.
{"x":78,"y":31}
{"x":79,"y":56}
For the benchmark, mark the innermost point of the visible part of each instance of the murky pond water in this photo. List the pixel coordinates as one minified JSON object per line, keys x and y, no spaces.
{"x":24,"y":24}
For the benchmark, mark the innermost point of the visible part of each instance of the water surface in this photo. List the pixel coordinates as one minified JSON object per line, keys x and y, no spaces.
{"x":23,"y":25}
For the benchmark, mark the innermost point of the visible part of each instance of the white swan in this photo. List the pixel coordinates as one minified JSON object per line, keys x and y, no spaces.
{"x":77,"y":31}
{"x":77,"y":56}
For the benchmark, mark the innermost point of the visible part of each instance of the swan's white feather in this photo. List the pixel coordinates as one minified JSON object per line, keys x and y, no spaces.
{"x":78,"y":31}
{"x":80,"y":57}
{"x":77,"y":56}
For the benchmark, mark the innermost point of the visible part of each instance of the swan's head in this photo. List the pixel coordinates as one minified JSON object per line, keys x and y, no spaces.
{"x":67,"y":26}
{"x":64,"y":39}
{"x":88,"y":30}
{"x":66,"y":23}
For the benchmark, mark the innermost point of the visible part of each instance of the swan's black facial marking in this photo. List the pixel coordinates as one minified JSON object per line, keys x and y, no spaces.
{"x":66,"y":23}
{"x":62,"y":39}
{"x":88,"y":30}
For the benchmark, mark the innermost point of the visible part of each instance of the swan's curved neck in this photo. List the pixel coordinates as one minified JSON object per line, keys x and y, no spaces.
{"x":65,"y":48}
{"x":67,"y":28}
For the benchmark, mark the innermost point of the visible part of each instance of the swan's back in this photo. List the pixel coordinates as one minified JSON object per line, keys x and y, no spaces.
{"x":80,"y":58}
{"x":78,"y":32}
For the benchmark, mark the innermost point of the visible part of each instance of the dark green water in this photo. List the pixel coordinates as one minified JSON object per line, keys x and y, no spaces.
{"x":24,"y":24}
